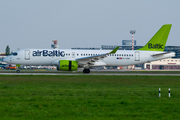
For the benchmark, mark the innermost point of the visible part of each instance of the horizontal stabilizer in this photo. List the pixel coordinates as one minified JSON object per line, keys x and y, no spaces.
{"x":160,"y":54}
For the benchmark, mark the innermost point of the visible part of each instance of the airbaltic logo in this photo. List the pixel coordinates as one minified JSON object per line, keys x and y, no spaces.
{"x":45,"y":53}
{"x":155,"y":46}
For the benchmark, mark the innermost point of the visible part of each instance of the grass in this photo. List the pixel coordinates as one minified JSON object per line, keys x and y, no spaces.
{"x":89,"y":97}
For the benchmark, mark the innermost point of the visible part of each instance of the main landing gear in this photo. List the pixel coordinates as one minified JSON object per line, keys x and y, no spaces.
{"x":86,"y":71}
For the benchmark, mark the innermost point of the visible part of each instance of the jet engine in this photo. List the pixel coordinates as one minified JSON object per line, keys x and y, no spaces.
{"x":67,"y":65}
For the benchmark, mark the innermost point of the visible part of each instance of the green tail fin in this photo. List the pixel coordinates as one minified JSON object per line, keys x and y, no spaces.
{"x":158,"y":41}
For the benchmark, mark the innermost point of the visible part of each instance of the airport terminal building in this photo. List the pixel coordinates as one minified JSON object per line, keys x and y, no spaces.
{"x":175,"y":49}
{"x":2,"y":56}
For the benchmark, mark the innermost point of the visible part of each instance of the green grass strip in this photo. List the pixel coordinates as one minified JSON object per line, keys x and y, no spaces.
{"x":88,"y":97}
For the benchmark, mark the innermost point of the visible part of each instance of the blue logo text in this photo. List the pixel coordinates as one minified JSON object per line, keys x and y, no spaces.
{"x":52,"y":53}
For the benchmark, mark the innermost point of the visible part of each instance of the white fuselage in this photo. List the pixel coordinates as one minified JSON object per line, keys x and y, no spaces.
{"x":52,"y":56}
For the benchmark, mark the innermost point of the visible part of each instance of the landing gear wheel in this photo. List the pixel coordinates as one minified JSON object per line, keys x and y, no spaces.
{"x":86,"y":71}
{"x":17,"y":71}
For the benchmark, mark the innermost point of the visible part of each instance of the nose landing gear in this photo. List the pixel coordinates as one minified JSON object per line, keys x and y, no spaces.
{"x":17,"y":71}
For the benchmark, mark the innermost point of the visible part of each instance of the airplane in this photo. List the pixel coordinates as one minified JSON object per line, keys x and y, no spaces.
{"x":71,"y":60}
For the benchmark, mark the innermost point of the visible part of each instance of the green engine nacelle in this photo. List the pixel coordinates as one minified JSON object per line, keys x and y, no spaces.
{"x":67,"y":65}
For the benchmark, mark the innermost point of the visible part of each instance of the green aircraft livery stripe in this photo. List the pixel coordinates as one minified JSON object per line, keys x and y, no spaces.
{"x":114,"y":51}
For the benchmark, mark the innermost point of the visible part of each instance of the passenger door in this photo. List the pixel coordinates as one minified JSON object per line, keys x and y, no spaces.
{"x":27,"y":54}
{"x":137,"y":56}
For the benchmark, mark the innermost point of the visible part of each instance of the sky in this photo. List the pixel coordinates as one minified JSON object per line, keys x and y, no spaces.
{"x":84,"y":23}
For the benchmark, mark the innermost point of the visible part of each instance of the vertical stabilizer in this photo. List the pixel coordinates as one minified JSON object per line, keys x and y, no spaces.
{"x":158,"y":41}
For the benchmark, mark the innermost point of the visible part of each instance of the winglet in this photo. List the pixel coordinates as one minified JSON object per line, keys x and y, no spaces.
{"x":114,"y":51}
{"x":158,"y":41}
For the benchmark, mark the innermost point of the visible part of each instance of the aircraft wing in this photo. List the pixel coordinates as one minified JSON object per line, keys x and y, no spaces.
{"x":90,"y":60}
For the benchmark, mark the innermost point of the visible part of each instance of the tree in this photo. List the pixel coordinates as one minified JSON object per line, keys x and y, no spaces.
{"x":7,"y":50}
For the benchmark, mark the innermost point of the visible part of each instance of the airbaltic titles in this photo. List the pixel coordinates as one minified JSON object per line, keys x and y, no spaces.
{"x":52,"y":53}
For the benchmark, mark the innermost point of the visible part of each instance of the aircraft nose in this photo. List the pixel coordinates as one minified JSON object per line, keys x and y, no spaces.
{"x":5,"y":59}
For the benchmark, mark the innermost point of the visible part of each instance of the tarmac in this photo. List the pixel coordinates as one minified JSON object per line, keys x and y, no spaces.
{"x":93,"y":72}
{"x":124,"y":74}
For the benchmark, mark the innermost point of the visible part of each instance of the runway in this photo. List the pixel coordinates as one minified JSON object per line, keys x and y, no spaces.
{"x":93,"y":72}
{"x":124,"y":74}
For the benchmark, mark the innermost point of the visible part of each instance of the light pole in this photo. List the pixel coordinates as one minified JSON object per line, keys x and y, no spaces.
{"x":132,"y":32}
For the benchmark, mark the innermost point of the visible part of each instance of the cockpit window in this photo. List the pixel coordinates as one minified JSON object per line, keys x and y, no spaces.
{"x":15,"y":54}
